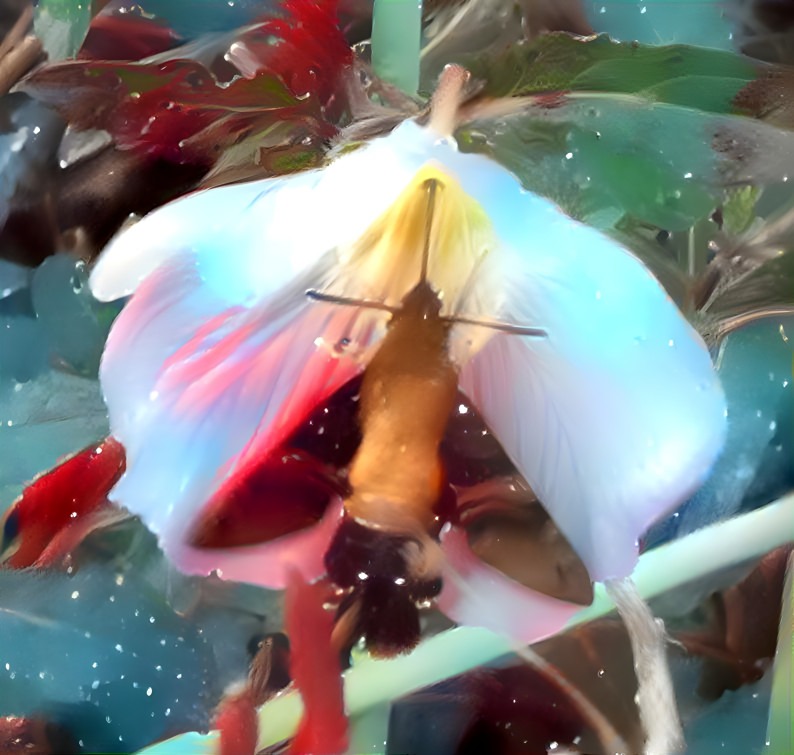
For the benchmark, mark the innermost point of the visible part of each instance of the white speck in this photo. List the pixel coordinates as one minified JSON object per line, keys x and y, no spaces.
{"x":179,"y":676}
{"x":568,"y":155}
{"x":463,"y":409}
{"x":95,"y":684}
{"x":148,"y":692}
{"x":8,"y":667}
{"x":10,"y":423}
{"x":602,"y":9}
{"x":598,"y":294}
{"x":671,"y":342}
{"x":399,"y":581}
{"x":75,"y":595}
{"x":687,"y":175}
{"x":785,"y":383}
{"x":94,"y":664}
{"x":151,"y":619}
{"x":162,"y":642}
{"x":773,"y":425}
{"x":643,"y":10}
{"x":98,"y":450}
{"x":112,"y":598}
{"x":168,"y":711}
{"x":758,"y":413}
{"x":362,"y":575}
{"x":119,"y":648}
{"x":73,"y":515}
{"x":158,"y":668}
{"x":119,"y":579}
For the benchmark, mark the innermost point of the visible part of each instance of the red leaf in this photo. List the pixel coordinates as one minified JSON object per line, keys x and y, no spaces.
{"x":59,"y":500}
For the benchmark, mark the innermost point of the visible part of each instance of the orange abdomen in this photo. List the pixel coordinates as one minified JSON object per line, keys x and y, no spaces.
{"x":407,"y":395}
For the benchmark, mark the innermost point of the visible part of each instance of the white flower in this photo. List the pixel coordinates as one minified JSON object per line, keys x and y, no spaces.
{"x":614,"y":418}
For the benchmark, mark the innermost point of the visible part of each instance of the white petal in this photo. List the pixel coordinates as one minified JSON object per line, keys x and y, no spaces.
{"x":617,"y":416}
{"x":250,"y":238}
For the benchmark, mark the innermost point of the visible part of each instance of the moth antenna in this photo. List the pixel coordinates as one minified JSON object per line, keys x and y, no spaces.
{"x":348,"y":302}
{"x":447,"y":98}
{"x":504,"y":327}
{"x":432,"y":187}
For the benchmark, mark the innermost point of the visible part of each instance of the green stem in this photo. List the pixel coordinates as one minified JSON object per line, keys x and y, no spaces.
{"x":780,"y":731}
{"x":396,"y":38}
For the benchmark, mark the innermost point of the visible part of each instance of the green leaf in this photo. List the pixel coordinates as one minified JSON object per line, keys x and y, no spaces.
{"x":714,"y":94}
{"x":561,"y":62}
{"x":738,"y":212}
{"x":396,"y":37}
{"x":61,"y":25}
{"x":606,"y":156}
{"x":780,"y":732}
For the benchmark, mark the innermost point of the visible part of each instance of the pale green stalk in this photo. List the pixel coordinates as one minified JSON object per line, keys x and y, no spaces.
{"x":396,"y":38}
{"x":780,"y":731}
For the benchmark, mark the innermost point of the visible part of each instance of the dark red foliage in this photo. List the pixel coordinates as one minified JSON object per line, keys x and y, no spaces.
{"x":739,"y":642}
{"x":33,"y":736}
{"x":126,"y":37}
{"x":57,"y":510}
{"x":280,"y":70}
{"x":286,"y":492}
{"x":315,"y":669}
{"x":312,"y":52}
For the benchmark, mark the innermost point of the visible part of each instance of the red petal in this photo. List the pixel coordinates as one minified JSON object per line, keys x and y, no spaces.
{"x":237,"y":724}
{"x":314,"y":665}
